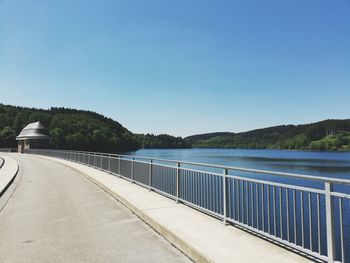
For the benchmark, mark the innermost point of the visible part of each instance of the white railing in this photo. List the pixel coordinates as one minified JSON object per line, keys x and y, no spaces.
{"x":8,"y":150}
{"x":307,"y":213}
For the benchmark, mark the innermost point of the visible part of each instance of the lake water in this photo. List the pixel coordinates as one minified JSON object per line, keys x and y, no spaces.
{"x":325,"y":164}
{"x":330,"y":164}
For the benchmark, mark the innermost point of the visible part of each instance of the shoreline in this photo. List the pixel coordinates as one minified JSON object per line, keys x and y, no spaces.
{"x":228,"y":148}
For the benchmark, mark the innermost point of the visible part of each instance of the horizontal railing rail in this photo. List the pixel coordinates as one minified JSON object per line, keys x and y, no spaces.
{"x":310,"y":219}
{"x":231,"y":168}
{"x":8,"y":149}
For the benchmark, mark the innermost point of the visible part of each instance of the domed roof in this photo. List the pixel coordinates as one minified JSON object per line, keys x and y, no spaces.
{"x":33,"y":130}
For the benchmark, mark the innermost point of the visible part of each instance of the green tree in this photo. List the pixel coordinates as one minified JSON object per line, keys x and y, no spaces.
{"x":8,"y":137}
{"x":18,"y":123}
{"x":57,"y":138}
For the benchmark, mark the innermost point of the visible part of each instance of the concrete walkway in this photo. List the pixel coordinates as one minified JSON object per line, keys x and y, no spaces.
{"x":56,"y":215}
{"x":201,"y":237}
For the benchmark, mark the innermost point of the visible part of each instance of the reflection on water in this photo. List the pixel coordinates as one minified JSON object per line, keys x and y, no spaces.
{"x":332,"y":164}
{"x":325,"y":164}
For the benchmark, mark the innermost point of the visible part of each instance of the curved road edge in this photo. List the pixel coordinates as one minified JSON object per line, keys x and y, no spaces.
{"x":2,"y":162}
{"x":8,"y":173}
{"x":185,"y":247}
{"x":198,"y":236}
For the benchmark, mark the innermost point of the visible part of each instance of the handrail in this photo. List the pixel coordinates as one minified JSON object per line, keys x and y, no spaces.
{"x":9,"y":150}
{"x":277,"y":210}
{"x":231,"y":168}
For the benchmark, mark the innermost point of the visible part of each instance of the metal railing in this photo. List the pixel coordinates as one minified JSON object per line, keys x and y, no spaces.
{"x":9,"y":150}
{"x":307,"y":213}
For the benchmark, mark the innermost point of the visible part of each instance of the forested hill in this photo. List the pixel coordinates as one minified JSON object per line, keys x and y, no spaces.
{"x":86,"y":130}
{"x":79,"y":130}
{"x":68,"y":128}
{"x":323,"y":135}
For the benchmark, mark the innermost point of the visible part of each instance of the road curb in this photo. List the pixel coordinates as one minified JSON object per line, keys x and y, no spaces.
{"x":12,"y":177}
{"x":2,"y":162}
{"x":172,"y":238}
{"x":180,"y":244}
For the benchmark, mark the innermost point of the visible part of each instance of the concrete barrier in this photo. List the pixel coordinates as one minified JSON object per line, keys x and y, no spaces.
{"x":8,"y":173}
{"x":2,"y":161}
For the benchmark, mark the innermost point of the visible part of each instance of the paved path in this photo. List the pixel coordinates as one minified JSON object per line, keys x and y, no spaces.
{"x":57,"y":215}
{"x":201,"y":237}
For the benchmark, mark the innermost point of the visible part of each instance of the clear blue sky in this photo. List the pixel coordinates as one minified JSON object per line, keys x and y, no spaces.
{"x":180,"y":67}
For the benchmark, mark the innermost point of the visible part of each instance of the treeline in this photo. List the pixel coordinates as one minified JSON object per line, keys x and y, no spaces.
{"x":86,"y":130}
{"x":68,"y":128}
{"x":163,"y":141}
{"x":78,"y":130}
{"x":325,"y":135}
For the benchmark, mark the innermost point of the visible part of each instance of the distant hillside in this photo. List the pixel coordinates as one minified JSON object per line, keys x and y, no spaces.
{"x":68,"y":128}
{"x":162,"y":141}
{"x":78,"y":130}
{"x":204,"y":136}
{"x":323,"y":135}
{"x":86,"y":130}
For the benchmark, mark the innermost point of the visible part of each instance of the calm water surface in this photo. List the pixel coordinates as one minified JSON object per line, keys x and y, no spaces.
{"x":330,"y":164}
{"x":326,"y":164}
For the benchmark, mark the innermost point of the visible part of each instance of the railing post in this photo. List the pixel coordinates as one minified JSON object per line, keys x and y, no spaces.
{"x":177,"y":181}
{"x":101,"y":161}
{"x":132,"y":169}
{"x":119,"y":165}
{"x":109,"y":163}
{"x":150,"y":175}
{"x":329,"y":222}
{"x":88,"y":159}
{"x":224,"y":195}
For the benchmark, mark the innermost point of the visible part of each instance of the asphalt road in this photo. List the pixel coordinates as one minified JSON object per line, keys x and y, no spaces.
{"x":56,"y":215}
